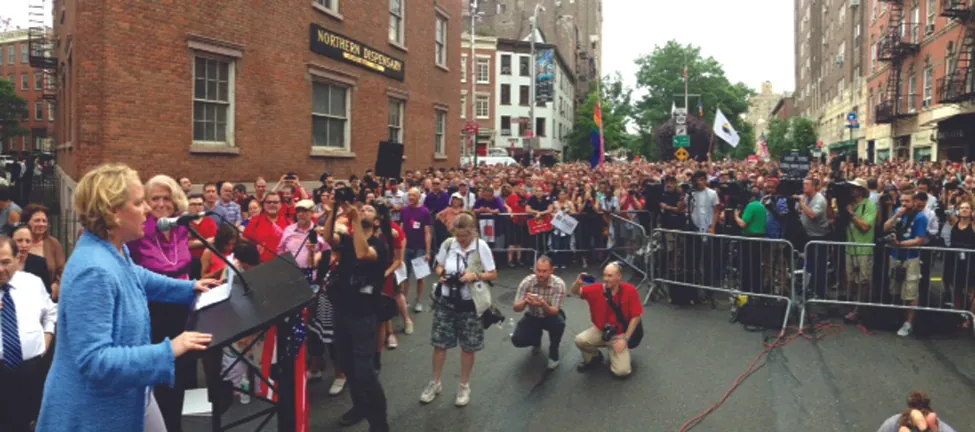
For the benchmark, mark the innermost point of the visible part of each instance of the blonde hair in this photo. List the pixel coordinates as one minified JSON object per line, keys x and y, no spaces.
{"x":176,"y":194}
{"x":464,"y":222}
{"x":100,"y":192}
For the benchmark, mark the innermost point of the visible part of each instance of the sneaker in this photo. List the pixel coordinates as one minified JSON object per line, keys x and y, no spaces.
{"x":311,"y":376}
{"x":536,"y":350}
{"x":337,"y":386}
{"x":905,"y":329}
{"x":408,"y":327}
{"x":431,"y":391}
{"x":391,"y":341}
{"x":351,"y":417}
{"x":463,"y":395}
{"x":596,"y":361}
{"x":418,"y":308}
{"x":552,"y":364}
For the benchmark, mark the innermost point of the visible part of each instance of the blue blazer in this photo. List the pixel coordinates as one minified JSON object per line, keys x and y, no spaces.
{"x":104,"y":362}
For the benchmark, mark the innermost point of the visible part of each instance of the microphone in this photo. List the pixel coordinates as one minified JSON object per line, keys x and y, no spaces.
{"x":166,"y":224}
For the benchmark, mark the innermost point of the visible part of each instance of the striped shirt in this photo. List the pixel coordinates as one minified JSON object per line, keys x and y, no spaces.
{"x":553,"y":293}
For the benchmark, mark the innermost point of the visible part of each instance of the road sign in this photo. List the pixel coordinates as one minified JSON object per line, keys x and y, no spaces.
{"x":681,"y":129}
{"x":471,"y":127}
{"x":851,"y":117}
{"x":853,"y":125}
{"x":681,"y":112}
{"x":682,"y":141}
{"x":681,"y":119}
{"x":681,"y":154}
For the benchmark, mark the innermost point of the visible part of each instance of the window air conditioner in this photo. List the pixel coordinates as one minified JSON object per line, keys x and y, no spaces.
{"x":929,"y":28}
{"x":854,"y":3}
{"x":839,"y":59}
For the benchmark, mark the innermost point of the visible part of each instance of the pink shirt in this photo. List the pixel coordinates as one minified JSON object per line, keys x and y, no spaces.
{"x":159,"y":255}
{"x":292,"y":239}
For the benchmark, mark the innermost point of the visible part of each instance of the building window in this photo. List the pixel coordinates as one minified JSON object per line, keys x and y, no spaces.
{"x":505,"y":125}
{"x":23,"y":53}
{"x":11,"y":53}
{"x":38,"y":81}
{"x":522,"y":128}
{"x":332,"y":5}
{"x":911,"y":92}
{"x":540,"y":126}
{"x":213,"y":102}
{"x":396,"y":21}
{"x":463,"y":106}
{"x":505,"y":94}
{"x":438,"y":146}
{"x":396,"y":107}
{"x":928,"y":85}
{"x":10,"y":77}
{"x":441,"y":48}
{"x":523,"y":66}
{"x":50,"y":111}
{"x":23,"y":82}
{"x":523,"y":95}
{"x":39,"y":110}
{"x":482,"y":106}
{"x":505,"y":64}
{"x":330,"y":115}
{"x":463,"y":68}
{"x":873,"y":57}
{"x":932,"y":15}
{"x":483,"y":70}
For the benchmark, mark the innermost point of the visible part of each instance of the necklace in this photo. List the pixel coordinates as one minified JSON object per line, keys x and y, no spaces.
{"x":175,"y":259}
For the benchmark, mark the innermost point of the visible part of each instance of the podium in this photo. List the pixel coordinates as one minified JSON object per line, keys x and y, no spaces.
{"x":271,"y":296}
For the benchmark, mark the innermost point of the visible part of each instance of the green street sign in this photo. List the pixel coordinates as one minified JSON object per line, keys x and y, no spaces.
{"x":682,"y":141}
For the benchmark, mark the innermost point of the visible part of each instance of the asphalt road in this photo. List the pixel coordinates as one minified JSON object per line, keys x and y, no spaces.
{"x":689,"y":359}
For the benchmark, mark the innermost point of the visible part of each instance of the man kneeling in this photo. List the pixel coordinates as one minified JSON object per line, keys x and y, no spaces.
{"x":541,"y":296}
{"x":615,"y":325}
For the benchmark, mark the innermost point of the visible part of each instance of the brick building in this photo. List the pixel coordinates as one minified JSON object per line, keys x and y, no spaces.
{"x":784,"y":109}
{"x":30,"y":84}
{"x":214,"y":90}
{"x":482,"y":71}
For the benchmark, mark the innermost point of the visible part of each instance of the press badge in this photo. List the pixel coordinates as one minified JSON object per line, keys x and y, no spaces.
{"x":366,"y":290}
{"x":416,"y":224}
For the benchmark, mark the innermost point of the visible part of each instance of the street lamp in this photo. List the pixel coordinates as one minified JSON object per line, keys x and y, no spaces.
{"x":531,"y":92}
{"x":473,"y":70}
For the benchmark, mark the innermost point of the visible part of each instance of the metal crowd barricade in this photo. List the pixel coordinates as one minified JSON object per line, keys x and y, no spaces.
{"x":737,"y":266}
{"x":866,"y":275}
{"x":509,"y":233}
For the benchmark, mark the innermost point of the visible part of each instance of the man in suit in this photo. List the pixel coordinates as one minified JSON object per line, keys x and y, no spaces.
{"x":27,"y":322}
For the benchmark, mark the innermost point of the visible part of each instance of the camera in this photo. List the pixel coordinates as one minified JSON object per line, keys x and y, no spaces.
{"x":453,"y":283}
{"x":344,"y":195}
{"x":609,"y":332}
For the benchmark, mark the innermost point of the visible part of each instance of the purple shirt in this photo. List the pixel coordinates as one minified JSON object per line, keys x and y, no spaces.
{"x":414,"y":221}
{"x":166,"y":257}
{"x":437,"y":203}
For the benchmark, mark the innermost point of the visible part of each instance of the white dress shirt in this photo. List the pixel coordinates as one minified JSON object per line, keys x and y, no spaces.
{"x":36,"y":313}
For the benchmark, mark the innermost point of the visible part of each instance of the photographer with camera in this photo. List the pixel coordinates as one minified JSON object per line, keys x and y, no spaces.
{"x":540,"y":296}
{"x":703,"y":207}
{"x":907,"y":228}
{"x":464,"y":264}
{"x":752,"y":224}
{"x":672,"y":209}
{"x":615,"y":310}
{"x":812,"y":215}
{"x":859,"y":260}
{"x":776,"y":255}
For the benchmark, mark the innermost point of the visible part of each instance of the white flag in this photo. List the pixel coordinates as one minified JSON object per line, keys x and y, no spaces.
{"x":723,"y":129}
{"x":673,"y":108}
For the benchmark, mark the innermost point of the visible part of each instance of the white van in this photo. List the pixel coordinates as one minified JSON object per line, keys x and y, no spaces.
{"x":489,"y":160}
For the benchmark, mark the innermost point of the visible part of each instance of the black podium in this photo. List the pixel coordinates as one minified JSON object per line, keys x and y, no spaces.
{"x":272,"y":294}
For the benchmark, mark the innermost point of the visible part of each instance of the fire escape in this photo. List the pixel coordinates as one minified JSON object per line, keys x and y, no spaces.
{"x":900,"y":41}
{"x":41,"y":48}
{"x":956,"y":86}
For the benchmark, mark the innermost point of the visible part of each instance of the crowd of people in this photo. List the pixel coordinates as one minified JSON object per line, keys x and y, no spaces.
{"x":360,"y":241}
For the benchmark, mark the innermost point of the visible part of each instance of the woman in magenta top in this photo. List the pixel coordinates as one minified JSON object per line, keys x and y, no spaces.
{"x":167,"y":253}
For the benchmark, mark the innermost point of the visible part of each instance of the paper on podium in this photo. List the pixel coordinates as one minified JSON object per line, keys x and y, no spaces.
{"x":420,"y":267}
{"x":215,"y":295}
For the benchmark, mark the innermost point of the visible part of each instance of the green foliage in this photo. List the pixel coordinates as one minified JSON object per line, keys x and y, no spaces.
{"x":797,"y":133}
{"x":616,"y":110}
{"x":661,"y":76}
{"x":13,"y":109}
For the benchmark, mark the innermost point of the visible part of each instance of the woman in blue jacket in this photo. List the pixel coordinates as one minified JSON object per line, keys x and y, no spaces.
{"x":104,"y":365}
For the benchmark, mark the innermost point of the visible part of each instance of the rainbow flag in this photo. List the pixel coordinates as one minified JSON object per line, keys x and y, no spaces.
{"x":597,"y":138}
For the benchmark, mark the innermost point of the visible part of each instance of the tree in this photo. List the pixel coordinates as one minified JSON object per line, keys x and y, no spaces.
{"x":797,"y":133}
{"x":13,"y":109}
{"x":661,"y":77}
{"x":615,"y":108}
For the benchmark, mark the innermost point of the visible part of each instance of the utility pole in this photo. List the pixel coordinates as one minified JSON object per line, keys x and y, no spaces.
{"x":473,"y":70}
{"x":531,"y":93}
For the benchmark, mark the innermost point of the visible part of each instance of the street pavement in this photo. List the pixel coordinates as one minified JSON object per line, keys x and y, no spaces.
{"x":689,"y":359}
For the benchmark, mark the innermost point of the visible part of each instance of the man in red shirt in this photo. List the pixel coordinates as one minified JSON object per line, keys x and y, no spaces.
{"x":625,"y":298}
{"x":266,"y":229}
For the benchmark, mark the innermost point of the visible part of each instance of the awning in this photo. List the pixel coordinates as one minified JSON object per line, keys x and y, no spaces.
{"x":841,"y":145}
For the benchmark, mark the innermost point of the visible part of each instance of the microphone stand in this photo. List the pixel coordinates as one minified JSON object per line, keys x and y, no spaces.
{"x":196,"y":234}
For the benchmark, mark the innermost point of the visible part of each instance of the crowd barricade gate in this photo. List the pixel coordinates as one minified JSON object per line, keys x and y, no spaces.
{"x":941,"y":278}
{"x":738,"y":266}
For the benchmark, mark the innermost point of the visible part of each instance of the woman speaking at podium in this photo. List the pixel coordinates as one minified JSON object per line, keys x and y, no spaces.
{"x":105,"y":365}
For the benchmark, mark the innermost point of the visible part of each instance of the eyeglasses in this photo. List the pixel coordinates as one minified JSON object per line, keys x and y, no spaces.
{"x":272,"y":202}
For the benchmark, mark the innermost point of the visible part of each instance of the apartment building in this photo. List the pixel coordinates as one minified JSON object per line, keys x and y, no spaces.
{"x":920,"y":79}
{"x":34,"y":85}
{"x":479,"y":74}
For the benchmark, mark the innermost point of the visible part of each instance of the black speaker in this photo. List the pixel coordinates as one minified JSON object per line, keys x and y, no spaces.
{"x":389,"y":161}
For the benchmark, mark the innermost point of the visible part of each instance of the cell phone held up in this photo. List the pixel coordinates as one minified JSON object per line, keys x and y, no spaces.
{"x":587,"y":279}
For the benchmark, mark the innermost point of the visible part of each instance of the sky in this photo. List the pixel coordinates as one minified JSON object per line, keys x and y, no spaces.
{"x":752,"y":39}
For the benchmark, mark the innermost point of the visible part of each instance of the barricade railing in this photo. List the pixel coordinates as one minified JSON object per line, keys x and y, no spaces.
{"x":738,"y":266}
{"x":935,"y":279}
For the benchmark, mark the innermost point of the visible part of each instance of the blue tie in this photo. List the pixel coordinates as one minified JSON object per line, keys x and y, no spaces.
{"x":12,"y":355}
